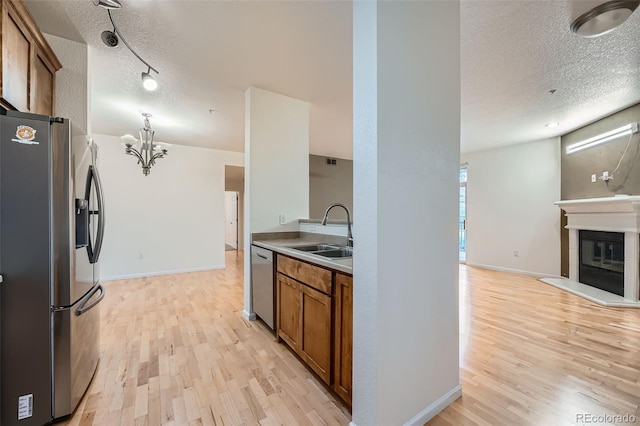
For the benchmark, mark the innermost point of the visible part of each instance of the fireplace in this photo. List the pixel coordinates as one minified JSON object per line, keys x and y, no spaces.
{"x":602,"y":260}
{"x":604,"y":245}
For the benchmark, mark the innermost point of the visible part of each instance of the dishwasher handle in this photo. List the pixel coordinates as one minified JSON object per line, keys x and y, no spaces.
{"x":262,"y":253}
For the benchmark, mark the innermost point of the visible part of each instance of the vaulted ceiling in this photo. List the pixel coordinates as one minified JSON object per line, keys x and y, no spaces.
{"x":513,"y":55}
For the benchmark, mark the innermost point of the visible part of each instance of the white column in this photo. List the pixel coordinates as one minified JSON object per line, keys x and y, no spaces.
{"x":631,"y":280}
{"x":406,"y":168}
{"x":276,"y":169}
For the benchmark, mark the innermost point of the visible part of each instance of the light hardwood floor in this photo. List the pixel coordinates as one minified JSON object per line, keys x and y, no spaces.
{"x":532,"y":354}
{"x":176,"y":351}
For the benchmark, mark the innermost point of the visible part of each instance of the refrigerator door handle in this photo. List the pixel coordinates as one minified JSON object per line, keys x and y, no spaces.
{"x":84,"y":307}
{"x":93,"y":249}
{"x":101,"y":217}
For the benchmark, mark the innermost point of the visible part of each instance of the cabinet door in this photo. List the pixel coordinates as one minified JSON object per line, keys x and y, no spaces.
{"x":288,"y":311}
{"x":16,"y":64}
{"x":343,"y":337}
{"x":315,"y":337}
{"x":42,"y":100}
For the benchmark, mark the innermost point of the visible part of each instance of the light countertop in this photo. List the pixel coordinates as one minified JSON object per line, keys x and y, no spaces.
{"x":282,"y":246}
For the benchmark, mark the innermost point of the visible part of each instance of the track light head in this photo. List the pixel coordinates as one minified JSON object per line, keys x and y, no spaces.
{"x":109,"y":38}
{"x":108,"y":4}
{"x":148,"y":82}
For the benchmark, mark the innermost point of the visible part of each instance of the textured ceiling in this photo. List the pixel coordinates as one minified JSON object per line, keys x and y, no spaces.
{"x":515,"y":52}
{"x":208,"y":52}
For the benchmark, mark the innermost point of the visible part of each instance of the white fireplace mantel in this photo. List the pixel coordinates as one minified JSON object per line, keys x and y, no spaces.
{"x":620,"y":213}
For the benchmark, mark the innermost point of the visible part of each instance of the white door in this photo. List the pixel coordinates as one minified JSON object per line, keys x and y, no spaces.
{"x":231,"y":220}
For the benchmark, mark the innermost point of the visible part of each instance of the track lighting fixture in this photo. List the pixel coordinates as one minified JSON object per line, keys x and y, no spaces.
{"x":108,"y":4}
{"x":109,"y":38}
{"x":112,"y":39}
{"x":149,"y":82}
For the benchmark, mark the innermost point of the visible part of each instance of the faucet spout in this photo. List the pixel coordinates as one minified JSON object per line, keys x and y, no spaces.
{"x":349,"y":234}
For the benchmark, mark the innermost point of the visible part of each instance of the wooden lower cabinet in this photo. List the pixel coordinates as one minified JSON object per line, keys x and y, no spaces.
{"x":315,"y":318}
{"x":288,"y":319}
{"x":343,"y":337}
{"x":315,"y":331}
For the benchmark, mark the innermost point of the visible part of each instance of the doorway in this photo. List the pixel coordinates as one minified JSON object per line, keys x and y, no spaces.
{"x":462,"y":224}
{"x":234,"y":208}
{"x":231,"y":220}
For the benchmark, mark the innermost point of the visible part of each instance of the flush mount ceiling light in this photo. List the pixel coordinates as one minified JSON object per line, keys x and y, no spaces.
{"x":145,"y":149}
{"x":111,"y":39}
{"x":602,"y":138}
{"x":595,"y":18}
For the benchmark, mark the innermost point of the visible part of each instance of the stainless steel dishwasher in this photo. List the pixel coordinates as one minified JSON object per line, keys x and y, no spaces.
{"x":262,"y":291}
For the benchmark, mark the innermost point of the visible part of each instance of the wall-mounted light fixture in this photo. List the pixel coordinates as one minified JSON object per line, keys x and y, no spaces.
{"x":111,"y":39}
{"x":602,"y":138}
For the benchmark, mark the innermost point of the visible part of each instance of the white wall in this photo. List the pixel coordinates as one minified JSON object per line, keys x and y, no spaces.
{"x":174,"y":217}
{"x":277,"y":168}
{"x":406,"y":159}
{"x":510,"y":208}
{"x":277,"y":148}
{"x":71,"y":80}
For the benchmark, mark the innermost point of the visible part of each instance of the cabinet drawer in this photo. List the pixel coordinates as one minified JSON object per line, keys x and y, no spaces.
{"x":313,"y":276}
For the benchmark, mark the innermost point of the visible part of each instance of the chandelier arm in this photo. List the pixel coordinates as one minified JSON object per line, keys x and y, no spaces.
{"x":155,"y":156}
{"x":115,"y":28}
{"x":134,"y":152}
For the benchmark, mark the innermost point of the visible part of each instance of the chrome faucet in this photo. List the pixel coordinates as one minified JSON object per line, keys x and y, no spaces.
{"x":349,"y":235}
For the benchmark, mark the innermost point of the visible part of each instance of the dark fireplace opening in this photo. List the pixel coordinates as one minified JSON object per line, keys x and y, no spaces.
{"x":602,"y":260}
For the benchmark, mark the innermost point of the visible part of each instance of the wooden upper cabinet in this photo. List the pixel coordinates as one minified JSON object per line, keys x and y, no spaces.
{"x":28,"y":63}
{"x":42,"y":88}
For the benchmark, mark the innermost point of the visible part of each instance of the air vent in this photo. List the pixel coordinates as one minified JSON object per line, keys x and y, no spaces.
{"x":331,"y":161}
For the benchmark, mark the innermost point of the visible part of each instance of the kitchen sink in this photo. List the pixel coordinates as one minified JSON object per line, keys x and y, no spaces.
{"x":336,"y":253}
{"x":326,"y":250}
{"x":315,"y":247}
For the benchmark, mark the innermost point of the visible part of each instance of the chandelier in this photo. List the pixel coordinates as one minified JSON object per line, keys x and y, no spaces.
{"x":145,"y":149}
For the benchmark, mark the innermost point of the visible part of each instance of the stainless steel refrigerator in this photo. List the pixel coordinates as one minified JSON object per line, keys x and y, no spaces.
{"x":51,"y":230}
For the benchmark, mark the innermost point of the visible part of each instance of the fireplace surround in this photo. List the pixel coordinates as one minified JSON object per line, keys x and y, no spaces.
{"x":619,"y":214}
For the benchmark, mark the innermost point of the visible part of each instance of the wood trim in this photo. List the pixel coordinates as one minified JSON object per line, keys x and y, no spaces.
{"x":21,"y":10}
{"x":311,"y":275}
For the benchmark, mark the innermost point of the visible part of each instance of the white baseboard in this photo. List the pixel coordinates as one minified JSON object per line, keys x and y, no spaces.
{"x":251,"y":316}
{"x":515,"y":271}
{"x":157,"y":273}
{"x":432,"y":410}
